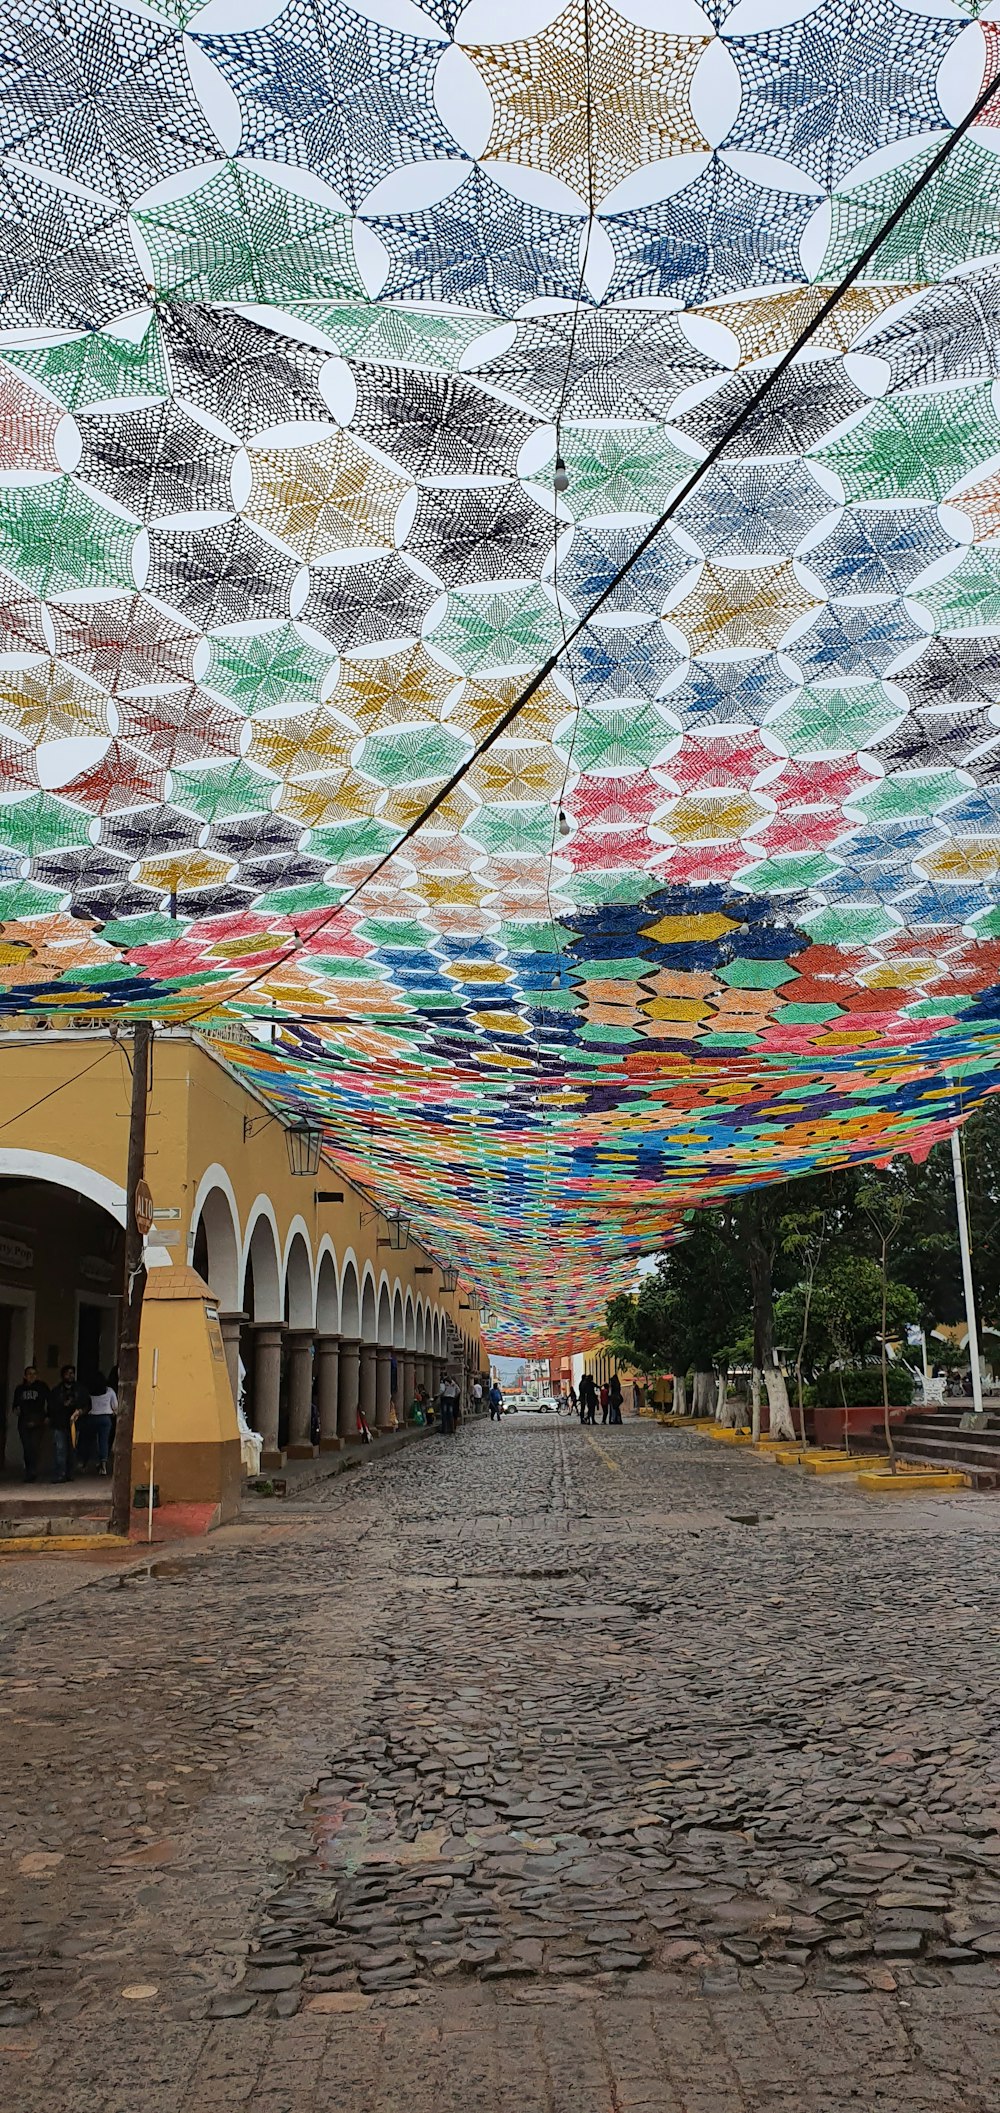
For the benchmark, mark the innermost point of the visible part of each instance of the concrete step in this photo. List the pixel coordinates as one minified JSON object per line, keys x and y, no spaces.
{"x":52,"y":1505}
{"x":961,"y":1450}
{"x":46,"y":1523}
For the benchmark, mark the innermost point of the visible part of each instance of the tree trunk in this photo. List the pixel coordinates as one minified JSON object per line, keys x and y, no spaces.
{"x":759,"y":1258}
{"x":755,"y":1404}
{"x":680,"y":1394}
{"x":703,"y":1393}
{"x":885,"y":1364}
{"x":727,"y":1407}
{"x":778,"y":1410}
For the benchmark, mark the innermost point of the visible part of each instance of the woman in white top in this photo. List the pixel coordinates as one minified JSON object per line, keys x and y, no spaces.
{"x":103,"y":1407}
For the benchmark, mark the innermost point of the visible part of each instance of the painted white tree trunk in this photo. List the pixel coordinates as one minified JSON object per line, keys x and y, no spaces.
{"x":755,"y":1404}
{"x":703,"y":1394}
{"x":680,"y":1395}
{"x":727,"y":1412}
{"x":779,"y":1411}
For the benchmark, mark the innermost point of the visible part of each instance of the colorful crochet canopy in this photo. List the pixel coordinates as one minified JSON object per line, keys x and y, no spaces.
{"x":298,"y":311}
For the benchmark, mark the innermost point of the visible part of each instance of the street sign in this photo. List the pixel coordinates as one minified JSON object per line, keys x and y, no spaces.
{"x":144,"y":1212}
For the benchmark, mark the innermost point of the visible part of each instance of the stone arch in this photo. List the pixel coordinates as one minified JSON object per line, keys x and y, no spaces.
{"x":369,"y":1310}
{"x":421,"y":1337}
{"x":409,"y":1323}
{"x":397,"y":1332}
{"x":384,"y":1326}
{"x":215,"y":1246}
{"x":327,"y":1293}
{"x":262,"y":1298}
{"x":350,"y":1300}
{"x":298,"y":1275}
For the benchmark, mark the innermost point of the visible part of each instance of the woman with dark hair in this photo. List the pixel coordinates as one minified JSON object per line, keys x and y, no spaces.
{"x":103,"y":1410}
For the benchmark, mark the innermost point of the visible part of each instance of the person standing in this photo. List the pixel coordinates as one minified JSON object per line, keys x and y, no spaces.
{"x":588,"y":1399}
{"x":66,"y":1404}
{"x":615,"y":1398}
{"x":605,"y":1401}
{"x":496,"y":1403}
{"x":103,"y":1410}
{"x":29,"y":1405}
{"x":449,"y":1395}
{"x":477,"y":1395}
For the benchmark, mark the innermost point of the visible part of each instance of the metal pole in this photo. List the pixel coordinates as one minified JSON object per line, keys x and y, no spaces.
{"x":970,"y":1297}
{"x":135,"y":1284}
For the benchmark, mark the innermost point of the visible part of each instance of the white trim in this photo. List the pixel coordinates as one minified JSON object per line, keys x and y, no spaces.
{"x":73,"y":1174}
{"x":298,"y":1230}
{"x":328,"y":1251}
{"x":215,"y":1179}
{"x":263,"y":1209}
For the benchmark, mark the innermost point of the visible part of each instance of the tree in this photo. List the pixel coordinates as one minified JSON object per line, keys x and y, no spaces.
{"x":883,"y":1201}
{"x":802,"y":1236}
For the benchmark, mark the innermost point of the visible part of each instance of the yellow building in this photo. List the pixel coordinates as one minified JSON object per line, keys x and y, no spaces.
{"x":286,"y":1287}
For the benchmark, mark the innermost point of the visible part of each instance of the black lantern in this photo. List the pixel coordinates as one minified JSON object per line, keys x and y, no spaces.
{"x":449,"y":1279}
{"x":399,"y":1230}
{"x":304,"y":1142}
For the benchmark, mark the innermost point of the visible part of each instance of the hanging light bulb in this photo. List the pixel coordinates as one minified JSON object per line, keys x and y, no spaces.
{"x":560,"y":482}
{"x":562,"y":825}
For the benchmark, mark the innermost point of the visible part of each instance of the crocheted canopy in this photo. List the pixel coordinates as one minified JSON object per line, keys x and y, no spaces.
{"x":303,"y":329}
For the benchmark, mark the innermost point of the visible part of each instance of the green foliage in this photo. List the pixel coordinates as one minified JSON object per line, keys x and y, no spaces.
{"x":845,"y":1314}
{"x":821,"y":1239}
{"x":859,"y":1387}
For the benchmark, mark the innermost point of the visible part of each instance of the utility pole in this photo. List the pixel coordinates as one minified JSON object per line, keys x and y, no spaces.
{"x":135,"y":1282}
{"x":970,"y":1296}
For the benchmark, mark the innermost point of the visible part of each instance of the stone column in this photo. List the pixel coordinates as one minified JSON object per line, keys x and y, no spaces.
{"x":408,"y":1388}
{"x":300,"y":1377}
{"x":383,"y":1387}
{"x":266,"y":1389}
{"x":366,"y":1384}
{"x":230,"y":1324}
{"x":347,"y":1391}
{"x":327,"y":1376}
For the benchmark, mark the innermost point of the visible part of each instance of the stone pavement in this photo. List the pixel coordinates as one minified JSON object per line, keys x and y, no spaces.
{"x":540,"y":1770}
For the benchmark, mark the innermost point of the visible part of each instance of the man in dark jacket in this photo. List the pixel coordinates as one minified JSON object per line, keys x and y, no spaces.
{"x":66,"y":1403}
{"x":29,"y":1405}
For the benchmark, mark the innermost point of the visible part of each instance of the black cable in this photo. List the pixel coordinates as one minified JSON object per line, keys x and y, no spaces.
{"x":63,"y":1083}
{"x":701,"y":469}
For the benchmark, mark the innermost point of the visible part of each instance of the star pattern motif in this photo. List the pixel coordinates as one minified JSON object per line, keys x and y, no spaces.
{"x":591,"y":98}
{"x":281,"y":545}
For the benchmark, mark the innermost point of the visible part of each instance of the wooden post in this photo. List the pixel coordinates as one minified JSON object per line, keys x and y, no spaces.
{"x":135,"y":1284}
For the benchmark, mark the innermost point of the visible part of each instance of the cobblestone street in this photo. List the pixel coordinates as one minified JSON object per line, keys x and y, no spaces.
{"x":541,"y":1770}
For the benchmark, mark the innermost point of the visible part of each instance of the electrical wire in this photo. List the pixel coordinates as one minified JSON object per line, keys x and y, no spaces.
{"x":53,"y":1090}
{"x":717,"y":450}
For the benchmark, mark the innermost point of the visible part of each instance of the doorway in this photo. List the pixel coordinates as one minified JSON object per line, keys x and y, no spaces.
{"x":96,"y":1347}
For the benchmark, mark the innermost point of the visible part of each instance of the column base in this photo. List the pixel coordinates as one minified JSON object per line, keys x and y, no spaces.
{"x":302,"y":1452}
{"x":331,"y":1445}
{"x":268,"y":1459}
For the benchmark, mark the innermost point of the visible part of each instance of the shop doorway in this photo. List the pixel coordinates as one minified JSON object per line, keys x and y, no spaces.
{"x":96,"y":1344}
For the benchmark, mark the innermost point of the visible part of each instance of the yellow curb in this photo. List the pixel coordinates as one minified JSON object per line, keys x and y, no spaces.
{"x":36,"y":1543}
{"x":728,"y":1435}
{"x":885,"y":1483}
{"x":847,"y":1464}
{"x":787,"y":1455}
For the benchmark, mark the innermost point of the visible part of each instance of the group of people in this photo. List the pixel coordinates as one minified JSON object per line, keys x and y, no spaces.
{"x":75,"y":1422}
{"x":608,"y":1397}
